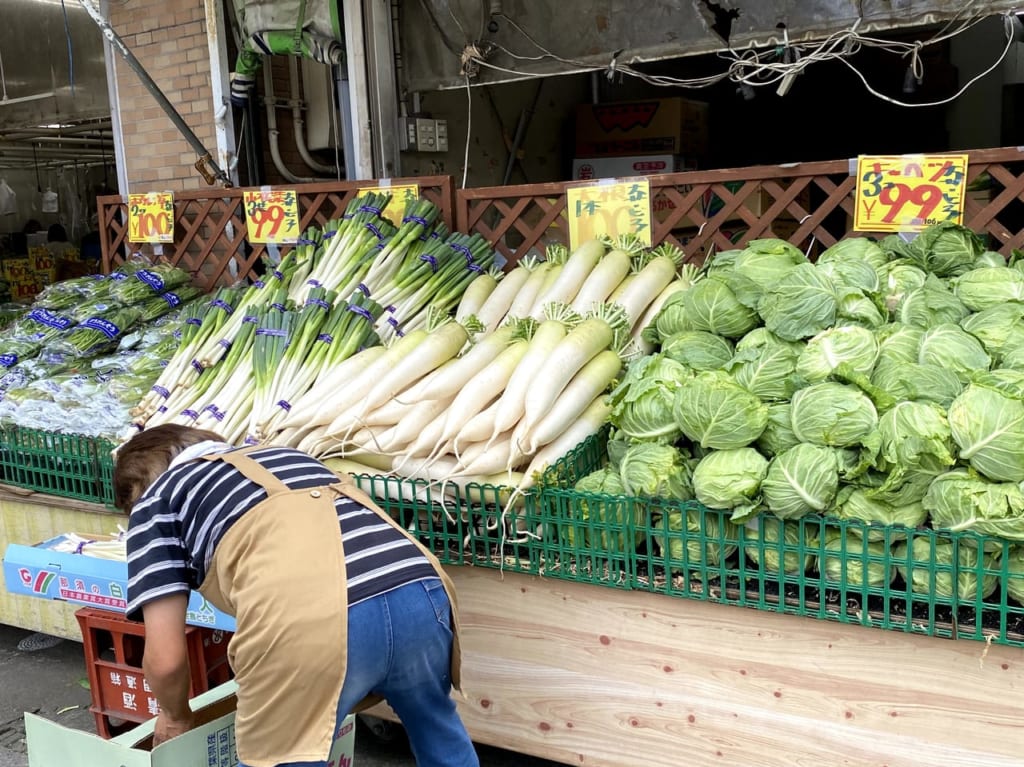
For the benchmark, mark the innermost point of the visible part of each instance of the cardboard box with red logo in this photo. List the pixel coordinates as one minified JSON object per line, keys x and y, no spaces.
{"x":587,"y":168}
{"x":667,"y":126}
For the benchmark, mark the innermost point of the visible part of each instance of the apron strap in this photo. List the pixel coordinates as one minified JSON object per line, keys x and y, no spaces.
{"x":250,"y":468}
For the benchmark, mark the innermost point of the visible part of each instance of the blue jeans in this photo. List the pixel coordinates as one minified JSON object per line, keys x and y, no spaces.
{"x":399,"y":646}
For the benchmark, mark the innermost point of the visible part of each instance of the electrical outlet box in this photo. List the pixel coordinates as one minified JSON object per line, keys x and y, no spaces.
{"x":424,"y":134}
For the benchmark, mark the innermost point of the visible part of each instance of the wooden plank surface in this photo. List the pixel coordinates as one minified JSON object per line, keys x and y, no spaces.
{"x":592,"y":676}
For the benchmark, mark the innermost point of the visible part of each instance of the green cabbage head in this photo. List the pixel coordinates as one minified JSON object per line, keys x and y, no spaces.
{"x":963,"y":500}
{"x":988,"y":426}
{"x":802,"y":480}
{"x":833,"y":414}
{"x":929,"y":564}
{"x":730,"y":479}
{"x":716,"y":412}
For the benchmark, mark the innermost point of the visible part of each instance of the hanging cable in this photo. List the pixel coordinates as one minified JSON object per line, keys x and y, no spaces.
{"x":469,"y":131}
{"x":71,"y":54}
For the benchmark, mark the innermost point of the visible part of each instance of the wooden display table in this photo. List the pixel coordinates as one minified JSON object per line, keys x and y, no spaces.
{"x":588,"y":675}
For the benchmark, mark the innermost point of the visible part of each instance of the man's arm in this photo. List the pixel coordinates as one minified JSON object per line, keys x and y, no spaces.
{"x":165,"y":663}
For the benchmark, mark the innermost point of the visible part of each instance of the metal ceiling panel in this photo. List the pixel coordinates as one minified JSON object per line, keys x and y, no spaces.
{"x":41,"y":85}
{"x":586,"y":34}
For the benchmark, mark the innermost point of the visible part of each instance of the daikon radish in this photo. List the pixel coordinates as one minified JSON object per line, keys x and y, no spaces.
{"x":603,"y":280}
{"x":497,"y":305}
{"x":589,"y":383}
{"x":524,"y":299}
{"x":308,"y":409}
{"x":645,"y":286}
{"x":527,"y":373}
{"x":577,"y":268}
{"x":476,"y":294}
{"x":450,"y":379}
{"x":580,"y":345}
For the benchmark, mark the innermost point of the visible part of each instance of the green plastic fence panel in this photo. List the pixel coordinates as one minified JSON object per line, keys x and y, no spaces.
{"x":65,"y":465}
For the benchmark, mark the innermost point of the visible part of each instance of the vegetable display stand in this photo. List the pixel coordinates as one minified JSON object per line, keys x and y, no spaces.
{"x":584,"y":674}
{"x":121,"y":697}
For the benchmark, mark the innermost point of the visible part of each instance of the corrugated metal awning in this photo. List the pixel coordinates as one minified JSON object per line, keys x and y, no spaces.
{"x":587,"y":35}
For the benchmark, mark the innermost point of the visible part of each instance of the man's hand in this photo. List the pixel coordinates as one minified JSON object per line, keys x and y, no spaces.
{"x":168,"y":727}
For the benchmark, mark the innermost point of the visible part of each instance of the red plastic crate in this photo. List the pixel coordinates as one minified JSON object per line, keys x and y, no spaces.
{"x":121,"y":697}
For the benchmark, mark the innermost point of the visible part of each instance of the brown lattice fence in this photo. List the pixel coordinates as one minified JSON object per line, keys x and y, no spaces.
{"x":808,"y":204}
{"x":210,"y":234}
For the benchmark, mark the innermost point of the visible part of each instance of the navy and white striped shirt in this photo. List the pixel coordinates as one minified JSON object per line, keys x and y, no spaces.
{"x":176,"y":525}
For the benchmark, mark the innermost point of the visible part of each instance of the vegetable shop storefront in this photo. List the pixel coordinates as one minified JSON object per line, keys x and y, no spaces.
{"x":799,"y":546}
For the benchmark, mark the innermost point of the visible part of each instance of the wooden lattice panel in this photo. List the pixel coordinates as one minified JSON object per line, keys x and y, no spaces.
{"x":807,"y":204}
{"x":209,"y":228}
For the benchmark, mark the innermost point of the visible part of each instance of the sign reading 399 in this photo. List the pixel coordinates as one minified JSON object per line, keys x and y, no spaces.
{"x":904,"y":193}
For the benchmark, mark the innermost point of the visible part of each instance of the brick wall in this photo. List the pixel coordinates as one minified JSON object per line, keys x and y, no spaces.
{"x":169,"y":39}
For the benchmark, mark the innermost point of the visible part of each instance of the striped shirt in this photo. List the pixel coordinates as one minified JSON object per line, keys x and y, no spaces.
{"x":176,"y":524}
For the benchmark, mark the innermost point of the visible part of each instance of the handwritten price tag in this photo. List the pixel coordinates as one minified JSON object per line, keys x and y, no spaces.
{"x":617,"y":207}
{"x":910,"y":192}
{"x":401,"y":195}
{"x":271,"y":215}
{"x":151,"y":217}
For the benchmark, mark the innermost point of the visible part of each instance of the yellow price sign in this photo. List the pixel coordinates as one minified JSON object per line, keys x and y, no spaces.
{"x":401,"y":195}
{"x":613,"y":208}
{"x":907,"y":193}
{"x":151,"y":217}
{"x":271,"y":215}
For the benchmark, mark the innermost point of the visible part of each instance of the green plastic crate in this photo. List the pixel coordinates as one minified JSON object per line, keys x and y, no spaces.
{"x":914,"y":580}
{"x":424,"y":510}
{"x":521,"y":540}
{"x":66,"y":465}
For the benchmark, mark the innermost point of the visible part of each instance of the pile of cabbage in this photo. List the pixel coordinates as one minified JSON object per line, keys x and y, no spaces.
{"x":883,"y":382}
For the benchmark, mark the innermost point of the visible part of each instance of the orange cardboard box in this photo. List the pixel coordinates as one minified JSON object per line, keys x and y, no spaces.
{"x":653,"y":126}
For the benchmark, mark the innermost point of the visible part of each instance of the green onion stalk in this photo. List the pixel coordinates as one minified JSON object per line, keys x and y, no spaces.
{"x":309,"y":249}
{"x":346,"y":330}
{"x":273,"y":333}
{"x":202,"y":320}
{"x":307,"y":324}
{"x":259,"y":295}
{"x":438,"y":282}
{"x":349,"y":249}
{"x":214,"y":394}
{"x":414,"y":235}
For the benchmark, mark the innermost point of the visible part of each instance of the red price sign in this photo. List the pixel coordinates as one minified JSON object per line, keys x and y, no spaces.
{"x":907,"y":193}
{"x":271,"y":215}
{"x":151,"y":217}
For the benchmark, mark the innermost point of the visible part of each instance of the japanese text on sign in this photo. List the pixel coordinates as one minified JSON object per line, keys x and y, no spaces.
{"x":151,"y":217}
{"x":271,"y":215}
{"x":613,"y":208}
{"x":909,"y":192}
{"x":401,"y":195}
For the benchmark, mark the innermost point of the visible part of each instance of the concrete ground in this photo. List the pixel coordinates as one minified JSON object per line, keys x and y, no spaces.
{"x":52,"y":683}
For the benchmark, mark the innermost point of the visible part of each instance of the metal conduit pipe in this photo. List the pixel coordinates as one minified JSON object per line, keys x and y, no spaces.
{"x":299,"y":123}
{"x":18,"y":151}
{"x":275,"y":149}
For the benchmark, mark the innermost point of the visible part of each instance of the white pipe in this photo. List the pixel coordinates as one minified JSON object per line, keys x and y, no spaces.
{"x":20,"y":99}
{"x":275,"y":150}
{"x":300,"y":126}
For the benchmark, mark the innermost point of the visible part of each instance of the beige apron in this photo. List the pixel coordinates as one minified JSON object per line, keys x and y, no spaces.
{"x":280,"y":570}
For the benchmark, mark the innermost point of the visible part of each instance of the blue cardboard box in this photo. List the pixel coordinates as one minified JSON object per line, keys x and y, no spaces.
{"x":39,"y":571}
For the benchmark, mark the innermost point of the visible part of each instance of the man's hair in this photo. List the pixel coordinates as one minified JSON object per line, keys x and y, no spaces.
{"x":147,"y":455}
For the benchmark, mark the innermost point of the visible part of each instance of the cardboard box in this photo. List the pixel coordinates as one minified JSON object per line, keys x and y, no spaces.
{"x":584,"y":169}
{"x":38,"y":571}
{"x":210,"y":744}
{"x":653,"y":126}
